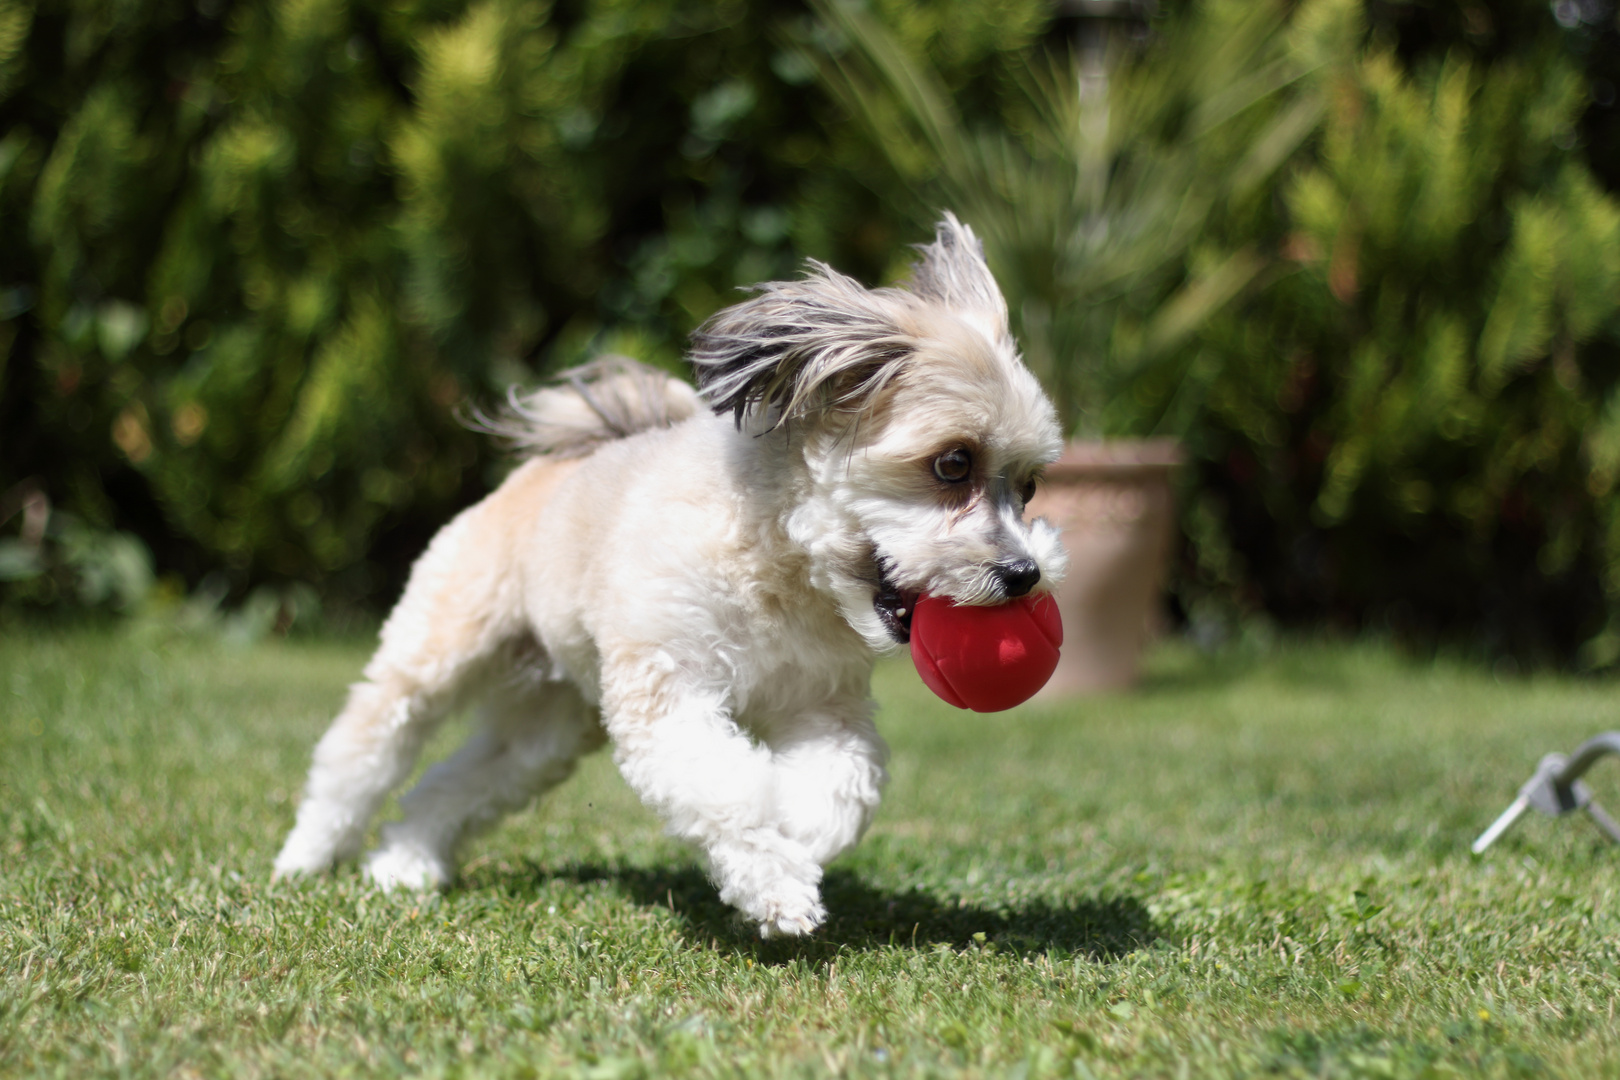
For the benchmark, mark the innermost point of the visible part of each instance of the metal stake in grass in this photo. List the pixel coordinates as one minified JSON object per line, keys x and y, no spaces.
{"x":1556,"y":789}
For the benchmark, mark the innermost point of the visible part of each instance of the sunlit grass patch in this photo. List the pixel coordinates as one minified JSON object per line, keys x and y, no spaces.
{"x":1255,"y":864}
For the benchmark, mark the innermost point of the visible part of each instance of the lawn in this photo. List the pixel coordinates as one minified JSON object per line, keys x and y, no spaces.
{"x":1256,"y":864}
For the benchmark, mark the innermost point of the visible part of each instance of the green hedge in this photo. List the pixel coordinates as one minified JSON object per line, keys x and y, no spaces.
{"x":255,"y":258}
{"x":1392,"y":361}
{"x":1416,"y":425}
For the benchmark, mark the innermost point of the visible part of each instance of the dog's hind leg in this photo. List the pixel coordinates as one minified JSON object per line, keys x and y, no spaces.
{"x":529,"y":739}
{"x":458,"y":621}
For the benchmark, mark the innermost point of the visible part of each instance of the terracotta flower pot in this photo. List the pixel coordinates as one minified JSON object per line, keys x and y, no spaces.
{"x":1114,"y":502}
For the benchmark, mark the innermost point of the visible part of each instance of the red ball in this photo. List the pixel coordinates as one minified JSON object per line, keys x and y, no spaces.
{"x":986,"y":658}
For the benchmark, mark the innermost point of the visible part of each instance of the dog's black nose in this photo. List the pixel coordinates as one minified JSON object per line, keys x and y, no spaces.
{"x":1018,"y":577}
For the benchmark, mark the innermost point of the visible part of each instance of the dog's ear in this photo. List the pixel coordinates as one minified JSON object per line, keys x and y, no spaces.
{"x":801,"y":348}
{"x":952,"y":271}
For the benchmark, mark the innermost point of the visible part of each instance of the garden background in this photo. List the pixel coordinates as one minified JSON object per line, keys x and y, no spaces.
{"x":257,"y":262}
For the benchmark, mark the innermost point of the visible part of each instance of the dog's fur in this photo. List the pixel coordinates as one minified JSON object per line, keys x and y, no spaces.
{"x":708,"y":587}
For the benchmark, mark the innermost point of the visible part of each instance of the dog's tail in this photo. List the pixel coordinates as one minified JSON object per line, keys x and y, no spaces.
{"x":610,"y":398}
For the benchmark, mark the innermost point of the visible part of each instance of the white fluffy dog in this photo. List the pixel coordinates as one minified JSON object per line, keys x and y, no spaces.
{"x":708,"y":587}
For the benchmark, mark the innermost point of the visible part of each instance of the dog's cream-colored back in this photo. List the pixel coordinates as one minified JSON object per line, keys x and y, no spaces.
{"x":708,"y":586}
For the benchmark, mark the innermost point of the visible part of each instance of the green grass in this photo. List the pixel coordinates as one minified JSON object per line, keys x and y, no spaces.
{"x":1254,"y":865}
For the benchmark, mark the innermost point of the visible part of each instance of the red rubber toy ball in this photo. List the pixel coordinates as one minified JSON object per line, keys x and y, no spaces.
{"x":986,"y":658}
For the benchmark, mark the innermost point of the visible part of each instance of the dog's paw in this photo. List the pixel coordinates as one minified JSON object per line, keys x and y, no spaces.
{"x":320,"y":839}
{"x":301,"y":858}
{"x":401,"y":866}
{"x":794,"y":920}
{"x":772,"y":880}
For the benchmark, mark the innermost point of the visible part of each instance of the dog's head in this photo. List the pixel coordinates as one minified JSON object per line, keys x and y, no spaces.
{"x":917,"y":433}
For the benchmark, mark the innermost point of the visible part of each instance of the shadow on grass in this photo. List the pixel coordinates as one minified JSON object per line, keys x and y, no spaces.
{"x":863,"y":917}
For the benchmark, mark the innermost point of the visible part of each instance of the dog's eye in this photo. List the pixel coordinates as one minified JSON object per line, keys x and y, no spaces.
{"x":1026,"y":490}
{"x":953,"y":466}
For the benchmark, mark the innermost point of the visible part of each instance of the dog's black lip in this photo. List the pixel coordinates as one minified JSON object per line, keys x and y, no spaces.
{"x":893,"y":607}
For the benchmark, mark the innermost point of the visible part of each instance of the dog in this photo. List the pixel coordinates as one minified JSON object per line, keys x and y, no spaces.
{"x":705,"y":579}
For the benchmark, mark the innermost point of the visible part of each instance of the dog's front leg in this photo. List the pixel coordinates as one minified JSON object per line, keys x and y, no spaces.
{"x":829,"y":777}
{"x":679,"y":749}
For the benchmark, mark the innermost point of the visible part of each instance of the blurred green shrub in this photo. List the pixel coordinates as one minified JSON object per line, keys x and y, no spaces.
{"x":55,"y":556}
{"x":58,"y":563}
{"x":254,"y":258}
{"x":1418,"y":428}
{"x":1094,"y":195}
{"x":1394,"y":364}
